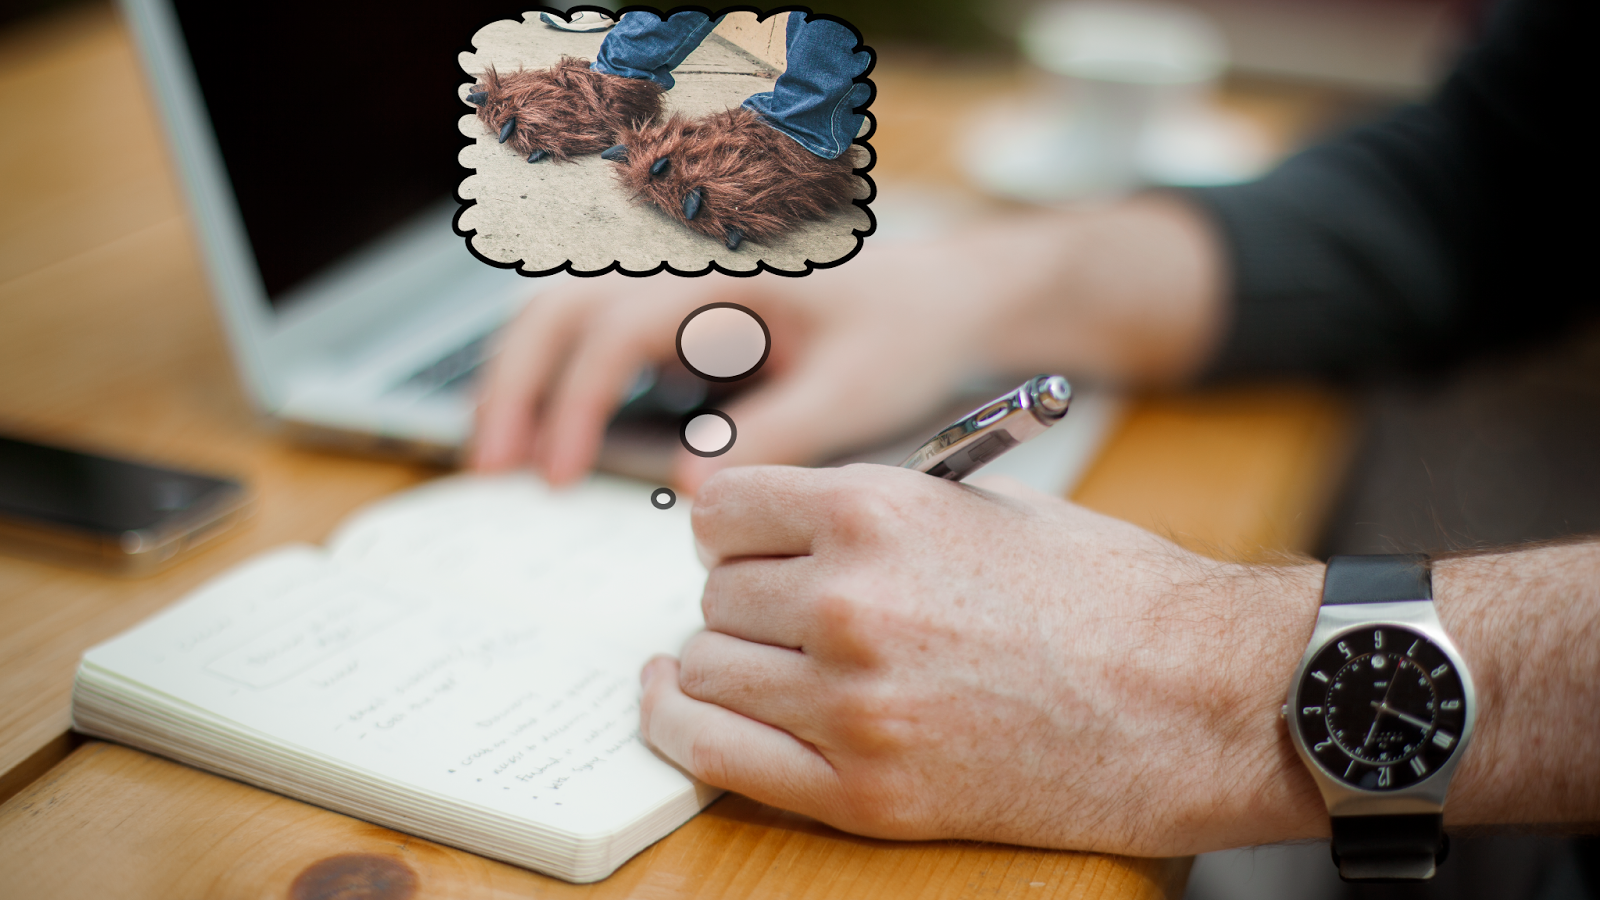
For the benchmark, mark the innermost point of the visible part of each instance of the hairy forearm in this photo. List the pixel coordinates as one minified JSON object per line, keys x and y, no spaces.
{"x":1132,"y":292}
{"x":1528,"y":624}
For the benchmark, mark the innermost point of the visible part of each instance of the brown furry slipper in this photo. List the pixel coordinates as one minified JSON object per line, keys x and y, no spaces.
{"x":731,"y":176}
{"x":564,"y":111}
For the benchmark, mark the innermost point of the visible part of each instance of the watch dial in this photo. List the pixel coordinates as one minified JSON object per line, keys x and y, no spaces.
{"x":1381,"y":708}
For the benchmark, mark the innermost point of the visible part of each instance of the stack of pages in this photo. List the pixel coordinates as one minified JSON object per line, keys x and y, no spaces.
{"x":461,"y":663}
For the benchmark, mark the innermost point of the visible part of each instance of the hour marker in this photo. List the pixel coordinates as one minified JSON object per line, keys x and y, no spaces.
{"x":1377,"y":640}
{"x":1320,"y":677}
{"x":1450,"y":704}
{"x":1418,"y":766}
{"x":1443,"y":668}
{"x":1311,"y":711}
{"x":1413,"y":648}
{"x":1384,"y":776}
{"x":1345,"y":650}
{"x":1443,"y":740}
{"x":1322,"y":746}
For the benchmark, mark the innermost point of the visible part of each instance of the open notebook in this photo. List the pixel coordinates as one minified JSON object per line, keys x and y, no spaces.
{"x":461,"y":662}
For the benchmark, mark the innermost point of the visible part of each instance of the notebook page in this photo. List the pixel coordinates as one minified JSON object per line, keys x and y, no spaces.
{"x":479,"y":641}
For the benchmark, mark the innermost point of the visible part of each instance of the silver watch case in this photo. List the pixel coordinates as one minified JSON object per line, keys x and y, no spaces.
{"x":1425,"y":796}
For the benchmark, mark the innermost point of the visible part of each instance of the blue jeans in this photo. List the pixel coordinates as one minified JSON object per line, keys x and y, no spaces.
{"x":814,"y":101}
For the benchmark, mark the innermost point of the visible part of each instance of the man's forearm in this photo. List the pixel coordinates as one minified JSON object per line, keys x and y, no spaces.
{"x":1132,"y":292}
{"x":1528,"y":623}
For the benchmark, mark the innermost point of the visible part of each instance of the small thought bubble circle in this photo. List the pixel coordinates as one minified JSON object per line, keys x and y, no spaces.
{"x":708,"y":432}
{"x":663,"y":498}
{"x":723,"y":342}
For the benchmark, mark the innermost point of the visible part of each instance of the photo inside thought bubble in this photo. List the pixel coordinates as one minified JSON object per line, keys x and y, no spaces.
{"x":691,"y":142}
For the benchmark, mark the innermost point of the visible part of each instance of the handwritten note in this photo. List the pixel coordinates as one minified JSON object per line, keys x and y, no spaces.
{"x":477,"y":643}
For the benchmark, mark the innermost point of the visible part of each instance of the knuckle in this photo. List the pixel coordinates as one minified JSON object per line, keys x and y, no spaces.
{"x":864,"y":511}
{"x":708,"y":760}
{"x":842,"y":617}
{"x":874,"y":721}
{"x":693,"y":674}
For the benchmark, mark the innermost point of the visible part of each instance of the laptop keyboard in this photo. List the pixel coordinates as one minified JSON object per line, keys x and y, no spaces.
{"x":454,"y":371}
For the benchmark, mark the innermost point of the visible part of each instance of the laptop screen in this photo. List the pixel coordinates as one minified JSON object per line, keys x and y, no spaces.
{"x":336,"y":120}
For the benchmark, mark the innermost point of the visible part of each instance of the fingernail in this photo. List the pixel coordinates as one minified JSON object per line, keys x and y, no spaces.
{"x":537,"y":155}
{"x":659,"y":167}
{"x":506,"y":129}
{"x":691,"y":203}
{"x":733,"y":237}
{"x":478,"y":98}
{"x":615,"y":153}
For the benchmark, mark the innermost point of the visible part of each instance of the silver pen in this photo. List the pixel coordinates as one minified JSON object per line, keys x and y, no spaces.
{"x":994,"y":428}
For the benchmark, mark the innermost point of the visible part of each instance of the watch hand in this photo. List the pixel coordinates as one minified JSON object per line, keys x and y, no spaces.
{"x":1371,"y":731}
{"x":1409,"y":719}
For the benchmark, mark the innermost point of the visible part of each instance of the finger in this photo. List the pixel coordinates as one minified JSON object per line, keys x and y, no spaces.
{"x":761,"y":599}
{"x":516,"y":376}
{"x":610,"y":351}
{"x":760,"y":511}
{"x":772,"y":685}
{"x":728,"y":750}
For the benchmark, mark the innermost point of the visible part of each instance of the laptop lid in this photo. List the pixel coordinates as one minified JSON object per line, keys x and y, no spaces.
{"x":317,"y":145}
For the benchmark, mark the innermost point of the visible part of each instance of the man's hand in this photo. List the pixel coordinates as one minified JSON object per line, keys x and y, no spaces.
{"x":905,"y":657}
{"x":861,"y":352}
{"x":849,"y":362}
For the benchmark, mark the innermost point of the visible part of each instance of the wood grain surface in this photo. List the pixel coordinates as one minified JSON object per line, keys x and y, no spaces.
{"x":145,"y":827}
{"x":108,"y":340}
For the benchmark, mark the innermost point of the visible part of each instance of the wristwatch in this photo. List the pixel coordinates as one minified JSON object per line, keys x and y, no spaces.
{"x":1380,"y":710}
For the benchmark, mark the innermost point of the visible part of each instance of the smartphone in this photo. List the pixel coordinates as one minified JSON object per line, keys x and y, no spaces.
{"x":111,"y":514}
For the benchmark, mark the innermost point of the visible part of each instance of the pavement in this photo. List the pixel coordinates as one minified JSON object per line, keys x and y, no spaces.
{"x":542,"y":216}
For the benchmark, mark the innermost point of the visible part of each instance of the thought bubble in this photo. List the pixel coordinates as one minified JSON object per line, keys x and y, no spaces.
{"x":708,"y":432}
{"x":723,"y":342}
{"x":550,"y":183}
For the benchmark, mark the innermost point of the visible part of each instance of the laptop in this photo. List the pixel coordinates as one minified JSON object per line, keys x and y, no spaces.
{"x":316,"y":147}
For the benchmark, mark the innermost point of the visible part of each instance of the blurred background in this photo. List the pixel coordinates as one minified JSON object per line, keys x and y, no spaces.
{"x":982,"y":108}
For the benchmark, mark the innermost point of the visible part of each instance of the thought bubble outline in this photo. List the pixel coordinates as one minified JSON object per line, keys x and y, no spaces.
{"x":683,"y":432}
{"x":766,"y":334}
{"x":806,"y":267}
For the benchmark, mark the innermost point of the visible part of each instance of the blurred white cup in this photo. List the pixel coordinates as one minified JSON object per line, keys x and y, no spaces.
{"x":1125,"y":101}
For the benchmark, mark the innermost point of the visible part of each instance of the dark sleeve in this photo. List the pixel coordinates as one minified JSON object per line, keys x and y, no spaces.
{"x":1456,"y":225}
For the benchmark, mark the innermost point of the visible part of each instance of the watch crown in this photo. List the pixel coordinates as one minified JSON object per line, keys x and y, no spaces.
{"x":1283,"y":711}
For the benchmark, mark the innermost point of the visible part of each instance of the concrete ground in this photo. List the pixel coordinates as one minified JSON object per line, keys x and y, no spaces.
{"x":541,"y":215}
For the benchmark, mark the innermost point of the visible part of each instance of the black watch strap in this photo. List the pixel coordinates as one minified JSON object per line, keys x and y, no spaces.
{"x":1389,"y":848}
{"x":1404,"y":847}
{"x":1377,"y":579}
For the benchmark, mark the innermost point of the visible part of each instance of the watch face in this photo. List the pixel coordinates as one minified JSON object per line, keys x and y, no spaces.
{"x":1381,"y":708}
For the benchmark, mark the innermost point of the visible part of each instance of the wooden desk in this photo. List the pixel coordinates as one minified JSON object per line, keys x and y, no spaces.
{"x":107,"y":338}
